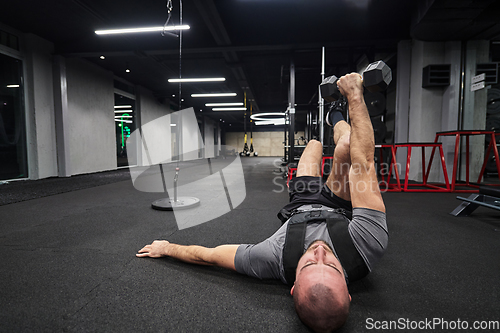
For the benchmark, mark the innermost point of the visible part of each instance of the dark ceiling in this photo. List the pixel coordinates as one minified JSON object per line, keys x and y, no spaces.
{"x":250,"y":42}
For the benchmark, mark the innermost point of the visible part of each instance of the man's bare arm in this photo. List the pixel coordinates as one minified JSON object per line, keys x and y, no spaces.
{"x":221,"y":256}
{"x":365,"y":191}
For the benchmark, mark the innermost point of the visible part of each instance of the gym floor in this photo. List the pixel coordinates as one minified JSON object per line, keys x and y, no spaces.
{"x":69,"y":262}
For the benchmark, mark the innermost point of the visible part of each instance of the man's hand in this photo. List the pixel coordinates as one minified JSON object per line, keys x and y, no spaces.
{"x":351,"y":85}
{"x":157,"y":249}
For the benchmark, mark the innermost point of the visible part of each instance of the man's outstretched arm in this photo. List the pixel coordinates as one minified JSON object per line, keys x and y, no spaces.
{"x":221,"y":256}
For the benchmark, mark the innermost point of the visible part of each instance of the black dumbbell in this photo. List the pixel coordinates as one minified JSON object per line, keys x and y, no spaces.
{"x":376,"y":77}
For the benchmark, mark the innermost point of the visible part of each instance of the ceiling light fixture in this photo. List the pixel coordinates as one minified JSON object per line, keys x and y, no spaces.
{"x":224,"y":104}
{"x":13,"y":86}
{"x":271,"y":122}
{"x":229,"y":109}
{"x":269,"y":118}
{"x":208,"y":79}
{"x":124,"y":111}
{"x":102,"y":57}
{"x":266,"y":115}
{"x":214,"y":95}
{"x":139,"y":30}
{"x":122,"y":106}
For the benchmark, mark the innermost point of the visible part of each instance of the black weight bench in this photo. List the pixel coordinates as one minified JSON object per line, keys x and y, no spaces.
{"x":488,"y":196}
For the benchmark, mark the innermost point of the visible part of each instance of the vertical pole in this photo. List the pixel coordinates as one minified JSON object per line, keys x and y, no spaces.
{"x":467,"y":159}
{"x":321,"y":100}
{"x":180,"y":56}
{"x":291,"y":109}
{"x":180,"y":138}
{"x":176,"y":177}
{"x":285,"y":143}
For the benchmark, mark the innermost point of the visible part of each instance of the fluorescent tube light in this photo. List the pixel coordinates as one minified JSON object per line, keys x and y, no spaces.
{"x":125,"y":121}
{"x":214,"y":95}
{"x":123,"y":106}
{"x":224,"y":104}
{"x":124,"y":111}
{"x":119,"y":117}
{"x":229,"y":109}
{"x":262,"y":116}
{"x":13,"y":86}
{"x":209,"y":79}
{"x":136,"y":30}
{"x":271,"y":122}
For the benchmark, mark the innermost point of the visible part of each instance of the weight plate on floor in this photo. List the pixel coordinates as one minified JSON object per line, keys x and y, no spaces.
{"x":493,"y":101}
{"x":171,"y":204}
{"x":492,"y":124}
{"x":491,"y":165}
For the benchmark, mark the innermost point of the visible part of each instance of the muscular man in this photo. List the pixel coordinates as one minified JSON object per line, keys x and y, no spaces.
{"x":333,"y":233}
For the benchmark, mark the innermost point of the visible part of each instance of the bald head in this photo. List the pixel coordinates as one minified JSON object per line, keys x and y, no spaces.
{"x":320,"y":307}
{"x":320,"y":291}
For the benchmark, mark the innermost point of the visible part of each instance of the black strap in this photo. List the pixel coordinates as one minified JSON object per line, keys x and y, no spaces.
{"x":347,"y":253}
{"x":338,"y":229}
{"x":284,"y":214}
{"x":294,"y":248}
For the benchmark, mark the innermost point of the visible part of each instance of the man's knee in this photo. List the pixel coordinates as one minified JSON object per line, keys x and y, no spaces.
{"x":314,"y":143}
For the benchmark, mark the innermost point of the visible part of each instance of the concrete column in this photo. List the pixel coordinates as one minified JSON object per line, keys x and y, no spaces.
{"x":451,"y":103}
{"x":40,"y":108}
{"x":474,"y":113}
{"x":425,"y":104}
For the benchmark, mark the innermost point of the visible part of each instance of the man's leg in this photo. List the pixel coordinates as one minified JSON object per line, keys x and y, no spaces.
{"x":338,"y":180}
{"x":310,"y":160}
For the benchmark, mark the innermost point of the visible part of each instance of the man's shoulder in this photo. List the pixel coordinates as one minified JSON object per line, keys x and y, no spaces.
{"x":368,"y":230}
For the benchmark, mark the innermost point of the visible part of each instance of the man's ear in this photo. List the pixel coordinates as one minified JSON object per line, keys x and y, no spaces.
{"x":291,"y":290}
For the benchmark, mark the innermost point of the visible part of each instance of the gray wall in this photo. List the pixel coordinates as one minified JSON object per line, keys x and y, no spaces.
{"x":156,"y":130}
{"x":264,"y":143}
{"x":70,"y":116}
{"x":421,"y":112}
{"x":191,"y":136}
{"x":156,"y":141}
{"x":210,"y":149}
{"x":92,"y":143}
{"x":451,"y":104}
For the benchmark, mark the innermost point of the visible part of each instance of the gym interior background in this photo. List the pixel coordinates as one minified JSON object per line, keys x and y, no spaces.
{"x":49,"y":132}
{"x":70,"y":98}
